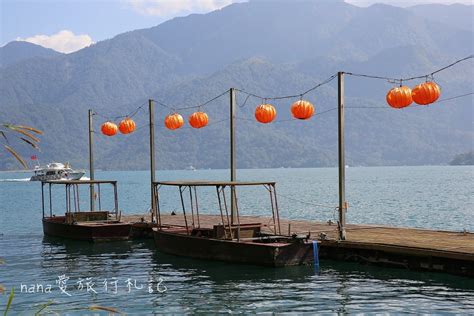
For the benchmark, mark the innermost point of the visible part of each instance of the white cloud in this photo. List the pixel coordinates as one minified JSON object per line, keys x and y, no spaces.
{"x":166,"y":8}
{"x":64,"y":41}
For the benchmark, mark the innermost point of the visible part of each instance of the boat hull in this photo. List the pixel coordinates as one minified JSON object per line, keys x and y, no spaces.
{"x":69,"y":176}
{"x":266,"y":254}
{"x":88,"y":231}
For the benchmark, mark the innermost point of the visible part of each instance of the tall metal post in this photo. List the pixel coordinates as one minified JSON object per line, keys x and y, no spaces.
{"x":233,"y":174}
{"x":342,"y":166}
{"x":91,"y":162}
{"x":151,"y":111}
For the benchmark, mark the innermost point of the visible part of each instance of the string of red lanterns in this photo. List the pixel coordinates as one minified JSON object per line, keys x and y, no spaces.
{"x":126,"y":126}
{"x":422,"y":94}
{"x":264,"y":113}
{"x":398,"y":97}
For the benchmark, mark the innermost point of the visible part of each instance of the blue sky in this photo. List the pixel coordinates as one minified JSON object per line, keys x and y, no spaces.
{"x":87,"y":21}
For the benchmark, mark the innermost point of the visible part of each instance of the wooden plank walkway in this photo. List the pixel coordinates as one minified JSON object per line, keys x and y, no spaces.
{"x":398,"y":236}
{"x":419,"y":249}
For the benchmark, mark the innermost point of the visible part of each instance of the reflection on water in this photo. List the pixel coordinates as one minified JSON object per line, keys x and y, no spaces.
{"x":201,"y":286}
{"x":406,"y":196}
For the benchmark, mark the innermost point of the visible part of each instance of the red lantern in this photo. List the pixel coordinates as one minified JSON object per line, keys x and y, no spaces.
{"x":109,"y":128}
{"x":174,"y":121}
{"x":426,"y":93}
{"x":265,"y":113}
{"x":399,"y":97}
{"x":302,"y":110}
{"x":198,"y":119}
{"x":127,"y":126}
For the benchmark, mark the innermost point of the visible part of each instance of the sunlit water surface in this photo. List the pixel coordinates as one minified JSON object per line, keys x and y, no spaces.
{"x":141,"y":280}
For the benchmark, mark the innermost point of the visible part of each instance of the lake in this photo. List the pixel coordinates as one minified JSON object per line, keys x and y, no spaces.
{"x":133,"y":278}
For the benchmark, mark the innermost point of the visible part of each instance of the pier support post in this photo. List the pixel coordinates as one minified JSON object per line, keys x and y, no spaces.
{"x":233,"y":174}
{"x":151,"y":111}
{"x":91,"y":161}
{"x":342,"y":166}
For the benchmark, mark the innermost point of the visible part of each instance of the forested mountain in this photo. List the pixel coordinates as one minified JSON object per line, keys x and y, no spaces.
{"x":267,"y":48}
{"x":18,"y":51}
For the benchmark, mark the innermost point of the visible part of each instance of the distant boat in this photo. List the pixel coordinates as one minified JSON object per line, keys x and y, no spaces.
{"x":56,"y":171}
{"x":190,"y":167}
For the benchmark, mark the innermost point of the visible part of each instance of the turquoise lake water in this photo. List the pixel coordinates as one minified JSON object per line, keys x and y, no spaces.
{"x":435,"y":197}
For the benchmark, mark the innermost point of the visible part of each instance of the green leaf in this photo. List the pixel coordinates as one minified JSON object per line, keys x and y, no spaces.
{"x":43,"y":307}
{"x":10,"y":299}
{"x":17,"y":156}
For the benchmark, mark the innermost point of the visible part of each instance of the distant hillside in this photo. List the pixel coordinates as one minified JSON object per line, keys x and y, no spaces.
{"x":463,"y":159}
{"x":269,"y":48}
{"x":455,"y":15}
{"x":17,"y":51}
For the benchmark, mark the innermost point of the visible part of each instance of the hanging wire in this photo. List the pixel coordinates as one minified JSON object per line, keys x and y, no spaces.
{"x":411,"y":106}
{"x":299,"y":95}
{"x":193,"y":106}
{"x":286,"y":120}
{"x":399,"y":80}
{"x":190,"y":127}
{"x":115,"y":118}
{"x":455,"y":97}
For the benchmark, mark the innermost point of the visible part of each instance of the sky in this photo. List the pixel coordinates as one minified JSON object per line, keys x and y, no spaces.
{"x":69,"y":25}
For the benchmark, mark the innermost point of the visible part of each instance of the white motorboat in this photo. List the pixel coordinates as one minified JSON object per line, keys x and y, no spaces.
{"x":56,"y":171}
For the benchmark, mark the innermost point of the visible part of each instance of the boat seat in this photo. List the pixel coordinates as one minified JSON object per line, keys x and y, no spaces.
{"x":203,"y":232}
{"x":74,"y":217}
{"x":246,"y":230}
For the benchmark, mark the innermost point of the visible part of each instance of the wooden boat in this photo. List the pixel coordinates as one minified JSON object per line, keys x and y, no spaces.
{"x":229,"y":240}
{"x":97,"y":225}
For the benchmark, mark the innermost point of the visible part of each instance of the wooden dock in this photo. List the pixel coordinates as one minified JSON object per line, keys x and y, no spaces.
{"x":417,"y":249}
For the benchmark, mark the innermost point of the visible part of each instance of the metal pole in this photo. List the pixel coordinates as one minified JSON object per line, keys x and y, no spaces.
{"x":342,"y":166}
{"x":118,"y":214}
{"x":91,"y":161}
{"x":151,"y":111}
{"x":42,"y":197}
{"x":233,"y":176}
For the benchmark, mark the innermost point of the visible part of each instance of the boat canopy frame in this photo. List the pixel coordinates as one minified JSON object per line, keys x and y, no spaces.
{"x":220,"y":186}
{"x":74,"y":185}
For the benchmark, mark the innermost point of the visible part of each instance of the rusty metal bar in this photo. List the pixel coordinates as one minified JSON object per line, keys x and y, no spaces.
{"x":237,"y":210}
{"x":42,"y":197}
{"x":157,"y":203}
{"x":184,"y":210}
{"x":192,"y":205}
{"x":50,"y":202}
{"x":78,"y":202}
{"x":220,"y":210}
{"x":229,"y":222}
{"x":269,"y":189}
{"x":197,"y":206}
{"x":276,"y":208}
{"x":118,"y":214}
{"x":98,"y":195}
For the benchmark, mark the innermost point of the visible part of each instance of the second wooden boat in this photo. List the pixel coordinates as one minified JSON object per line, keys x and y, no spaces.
{"x":229,"y":240}
{"x":97,"y":225}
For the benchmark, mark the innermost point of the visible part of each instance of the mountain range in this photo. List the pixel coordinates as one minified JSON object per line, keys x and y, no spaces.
{"x":268,"y":49}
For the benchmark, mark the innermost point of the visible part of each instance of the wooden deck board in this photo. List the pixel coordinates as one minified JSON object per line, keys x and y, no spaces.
{"x":423,"y":239}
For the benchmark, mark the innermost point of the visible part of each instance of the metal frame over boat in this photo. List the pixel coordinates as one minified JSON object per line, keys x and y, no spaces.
{"x":230,"y":240}
{"x":93,"y":225}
